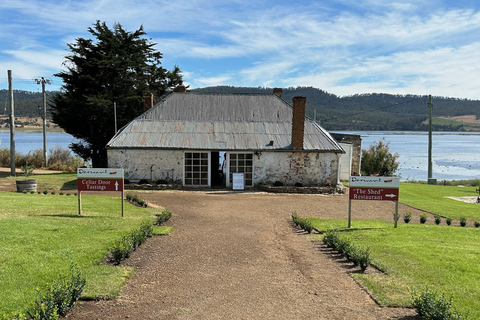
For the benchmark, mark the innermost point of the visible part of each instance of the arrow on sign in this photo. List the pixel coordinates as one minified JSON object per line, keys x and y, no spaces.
{"x":391,"y":195}
{"x":116,"y":185}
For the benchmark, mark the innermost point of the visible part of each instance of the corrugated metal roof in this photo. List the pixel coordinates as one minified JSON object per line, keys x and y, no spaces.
{"x":220,"y":122}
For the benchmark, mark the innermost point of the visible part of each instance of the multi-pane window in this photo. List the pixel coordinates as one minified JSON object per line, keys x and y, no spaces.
{"x":242,"y":163}
{"x":196,"y":168}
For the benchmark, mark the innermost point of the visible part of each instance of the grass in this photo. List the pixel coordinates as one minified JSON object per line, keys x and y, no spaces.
{"x":42,"y":234}
{"x":455,"y":123}
{"x":412,"y":256}
{"x":432,"y":198}
{"x":51,"y":181}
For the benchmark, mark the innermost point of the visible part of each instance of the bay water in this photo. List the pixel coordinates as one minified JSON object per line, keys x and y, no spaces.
{"x":455,"y":155}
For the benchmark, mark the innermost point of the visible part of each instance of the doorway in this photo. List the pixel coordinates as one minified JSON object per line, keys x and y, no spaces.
{"x":218,"y":169}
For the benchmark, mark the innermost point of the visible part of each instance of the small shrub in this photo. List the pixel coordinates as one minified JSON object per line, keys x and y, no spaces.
{"x":298,"y":184}
{"x":45,"y":191}
{"x":24,"y":191}
{"x":143,"y":181}
{"x":423,"y":217}
{"x":295,"y":218}
{"x":476,"y":223}
{"x":463,"y":221}
{"x":59,"y":297}
{"x":363,"y":258}
{"x":32,"y":192}
{"x":330,"y":238}
{"x":164,"y":216}
{"x":123,"y":247}
{"x":52,"y":193}
{"x":448,"y":220}
{"x":407,"y":217}
{"x":438,"y":219}
{"x":68,"y":193}
{"x":432,"y":306}
{"x":306,"y":225}
{"x":162,"y":181}
{"x":278,"y":184}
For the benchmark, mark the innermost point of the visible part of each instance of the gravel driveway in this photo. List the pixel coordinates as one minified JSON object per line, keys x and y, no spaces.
{"x":237,"y":256}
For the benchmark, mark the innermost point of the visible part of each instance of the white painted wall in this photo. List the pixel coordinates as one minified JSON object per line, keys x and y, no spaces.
{"x":148,"y":164}
{"x":307,"y":168}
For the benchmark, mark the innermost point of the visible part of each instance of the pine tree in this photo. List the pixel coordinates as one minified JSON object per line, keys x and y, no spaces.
{"x":117,"y":67}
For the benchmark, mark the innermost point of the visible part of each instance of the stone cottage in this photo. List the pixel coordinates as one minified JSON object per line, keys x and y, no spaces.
{"x":201,"y":140}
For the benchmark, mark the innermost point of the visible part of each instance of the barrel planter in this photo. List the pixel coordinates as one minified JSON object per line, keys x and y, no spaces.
{"x":27,"y":185}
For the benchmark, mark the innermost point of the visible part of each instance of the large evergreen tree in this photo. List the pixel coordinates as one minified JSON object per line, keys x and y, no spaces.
{"x":117,"y":67}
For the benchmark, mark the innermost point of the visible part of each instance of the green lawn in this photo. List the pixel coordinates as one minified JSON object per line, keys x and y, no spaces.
{"x":445,"y":258}
{"x":433,"y":198}
{"x":42,"y":234}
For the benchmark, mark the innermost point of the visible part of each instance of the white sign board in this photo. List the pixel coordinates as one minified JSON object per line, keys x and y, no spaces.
{"x":99,"y":173}
{"x":238,"y":181}
{"x":374,"y":182}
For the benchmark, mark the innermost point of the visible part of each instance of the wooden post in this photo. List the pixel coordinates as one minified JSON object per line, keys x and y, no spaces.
{"x":79,"y":202}
{"x":349,"y":212}
{"x":123,"y":204}
{"x":395,"y":215}
{"x":12,"y":123}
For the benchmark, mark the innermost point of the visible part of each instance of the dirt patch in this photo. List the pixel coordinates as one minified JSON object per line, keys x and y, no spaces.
{"x":237,"y":256}
{"x":465,"y":118}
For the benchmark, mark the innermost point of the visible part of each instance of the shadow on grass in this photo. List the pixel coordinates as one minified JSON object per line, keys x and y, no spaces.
{"x":66,"y":216}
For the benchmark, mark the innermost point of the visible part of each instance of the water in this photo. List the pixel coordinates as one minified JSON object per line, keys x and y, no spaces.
{"x":29,"y":141}
{"x":455,"y":155}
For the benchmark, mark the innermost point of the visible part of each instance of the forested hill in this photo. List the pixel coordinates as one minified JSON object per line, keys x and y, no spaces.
{"x":372,"y":111}
{"x":358,"y":112}
{"x":26,"y":103}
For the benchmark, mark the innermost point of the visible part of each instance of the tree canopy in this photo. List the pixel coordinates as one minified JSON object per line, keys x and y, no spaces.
{"x":378,"y":160}
{"x":118,"y":67}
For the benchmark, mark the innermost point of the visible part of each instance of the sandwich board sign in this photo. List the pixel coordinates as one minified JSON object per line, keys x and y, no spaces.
{"x":373,"y":188}
{"x":238,"y":182}
{"x":99,"y":179}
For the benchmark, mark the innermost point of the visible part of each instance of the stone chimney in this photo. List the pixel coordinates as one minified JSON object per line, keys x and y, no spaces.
{"x":180,"y":89}
{"x":147,"y":102}
{"x":278,"y":91}
{"x":298,"y":122}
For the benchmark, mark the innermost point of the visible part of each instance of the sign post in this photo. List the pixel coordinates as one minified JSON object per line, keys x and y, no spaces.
{"x":373,"y":188}
{"x":99,"y":179}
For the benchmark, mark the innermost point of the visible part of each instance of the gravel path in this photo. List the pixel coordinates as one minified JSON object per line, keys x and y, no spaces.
{"x":237,"y":256}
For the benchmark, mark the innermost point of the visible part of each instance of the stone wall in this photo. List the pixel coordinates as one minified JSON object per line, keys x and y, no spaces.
{"x":147,"y":164}
{"x":307,"y":168}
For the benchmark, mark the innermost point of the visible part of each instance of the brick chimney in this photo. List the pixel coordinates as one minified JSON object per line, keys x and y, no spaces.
{"x":180,"y":89}
{"x":147,"y":102}
{"x":278,"y":91}
{"x":298,"y":122}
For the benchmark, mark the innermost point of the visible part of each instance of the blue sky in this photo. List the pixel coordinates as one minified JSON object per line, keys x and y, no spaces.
{"x":344,"y":47}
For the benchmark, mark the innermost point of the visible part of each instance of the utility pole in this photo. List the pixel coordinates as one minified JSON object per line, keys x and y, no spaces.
{"x":12,"y":123}
{"x":42,"y":81}
{"x":430,"y":107}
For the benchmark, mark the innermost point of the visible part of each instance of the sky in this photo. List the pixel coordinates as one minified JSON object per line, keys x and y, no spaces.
{"x":344,"y":47}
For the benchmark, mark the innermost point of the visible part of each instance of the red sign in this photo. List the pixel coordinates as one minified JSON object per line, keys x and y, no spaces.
{"x":366,"y":193}
{"x":99,"y":184}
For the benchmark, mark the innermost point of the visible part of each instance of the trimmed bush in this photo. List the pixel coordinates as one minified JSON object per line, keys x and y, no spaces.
{"x":448,"y":220}
{"x":423,"y":217}
{"x":432,"y":306}
{"x":278,"y":184}
{"x":463,"y":221}
{"x":59,"y":297}
{"x":438,"y":218}
{"x":476,"y":223}
{"x":407,"y":217}
{"x":164,"y":216}
{"x":123,"y":247}
{"x":344,"y":246}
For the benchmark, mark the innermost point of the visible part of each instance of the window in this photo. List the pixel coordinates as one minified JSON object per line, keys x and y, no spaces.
{"x":196,"y":169}
{"x":242,"y":163}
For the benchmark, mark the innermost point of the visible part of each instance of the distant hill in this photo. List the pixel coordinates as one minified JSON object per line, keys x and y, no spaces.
{"x":26,"y":103}
{"x":374,"y":111}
